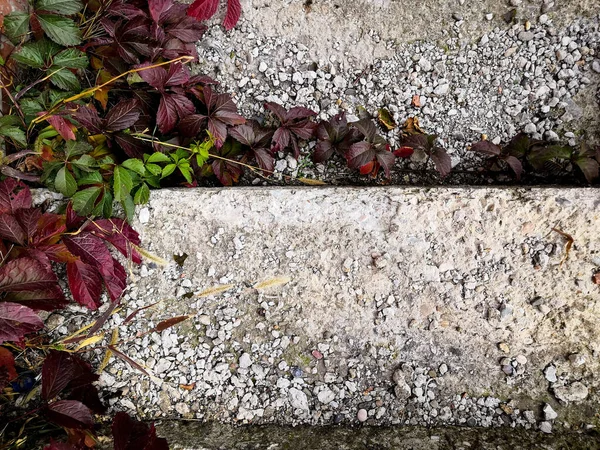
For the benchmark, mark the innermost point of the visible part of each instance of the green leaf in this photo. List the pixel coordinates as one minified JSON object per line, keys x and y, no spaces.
{"x":158,"y":158}
{"x":31,"y":107}
{"x":84,"y":201}
{"x":134,"y":164}
{"x":65,"y":182}
{"x":128,"y":207}
{"x":16,"y":134}
{"x":64,"y":79}
{"x":61,"y":30}
{"x":153,"y":181}
{"x":29,"y":55}
{"x":74,"y":148}
{"x":16,"y":25}
{"x":142,"y":195}
{"x":186,"y":172}
{"x":64,"y":7}
{"x":122,"y":183}
{"x":168,"y":170}
{"x":72,"y":59}
{"x":154,"y":169}
{"x":90,"y":178}
{"x":105,"y":205}
{"x":9,"y":120}
{"x":85,"y":163}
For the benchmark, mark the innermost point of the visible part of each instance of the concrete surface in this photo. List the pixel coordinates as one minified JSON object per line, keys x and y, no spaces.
{"x":378,"y":280}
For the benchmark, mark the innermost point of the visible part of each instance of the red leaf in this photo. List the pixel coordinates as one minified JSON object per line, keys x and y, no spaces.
{"x":130,"y":434}
{"x":59,"y":446}
{"x":123,"y":115}
{"x":69,"y":414}
{"x":155,"y":77}
{"x":88,"y":395}
{"x":28,"y":218}
{"x":62,"y":369}
{"x":487,"y":148}
{"x":404,"y":152}
{"x":89,"y":118}
{"x":234,"y":10}
{"x":367,"y":168}
{"x":47,"y":299}
{"x":515,"y":165}
{"x":73,"y":221}
{"x":92,"y":251}
{"x":16,"y":321}
{"x":169,"y":323}
{"x":49,"y":230}
{"x":442,"y":161}
{"x":63,"y":126}
{"x":7,"y":367}
{"x":158,"y":8}
{"x":203,"y":9}
{"x":85,"y":284}
{"x":11,"y":230}
{"x":14,"y":195}
{"x":25,"y":274}
{"x":120,"y":234}
{"x":178,"y":75}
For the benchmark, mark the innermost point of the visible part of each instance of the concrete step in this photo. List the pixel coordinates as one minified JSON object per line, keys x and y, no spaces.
{"x":393,"y":306}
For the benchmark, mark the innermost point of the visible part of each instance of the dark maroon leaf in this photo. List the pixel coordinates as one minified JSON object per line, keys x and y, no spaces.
{"x":13,"y":195}
{"x":177,"y":75}
{"x":28,"y":219}
{"x":416,"y":142}
{"x":130,"y":434}
{"x":234,"y":10}
{"x":16,"y":321}
{"x":62,"y":370}
{"x":123,"y":115}
{"x":120,"y":234}
{"x":294,"y":124}
{"x":487,"y":148}
{"x":85,"y":284}
{"x":11,"y":230}
{"x":442,"y":161}
{"x":264,"y":158}
{"x":47,"y":299}
{"x":25,"y":274}
{"x":515,"y":165}
{"x":367,"y":128}
{"x":69,"y":414}
{"x":59,"y":446}
{"x":203,"y":9}
{"x":158,"y":8}
{"x":89,"y":118}
{"x":192,"y":125}
{"x":172,"y":107}
{"x":73,"y":220}
{"x":115,"y":282}
{"x":359,"y":154}
{"x":386,"y":160}
{"x":221,"y":111}
{"x":124,"y":9}
{"x":155,"y":76}
{"x":88,"y":395}
{"x":281,"y":139}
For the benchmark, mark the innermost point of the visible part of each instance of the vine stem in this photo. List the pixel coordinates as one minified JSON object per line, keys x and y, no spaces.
{"x":184,"y":59}
{"x":254,"y":169}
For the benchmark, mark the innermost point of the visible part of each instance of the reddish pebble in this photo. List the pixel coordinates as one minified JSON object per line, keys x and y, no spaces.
{"x":317,"y":354}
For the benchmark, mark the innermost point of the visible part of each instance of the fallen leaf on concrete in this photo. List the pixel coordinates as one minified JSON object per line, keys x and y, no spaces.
{"x":278,"y":281}
{"x":568,"y":245}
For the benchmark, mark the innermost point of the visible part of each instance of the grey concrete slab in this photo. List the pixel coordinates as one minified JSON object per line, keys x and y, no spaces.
{"x":418,"y":306}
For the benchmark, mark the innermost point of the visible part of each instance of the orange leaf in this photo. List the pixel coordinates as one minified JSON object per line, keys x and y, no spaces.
{"x":7,"y":366}
{"x":170,"y":322}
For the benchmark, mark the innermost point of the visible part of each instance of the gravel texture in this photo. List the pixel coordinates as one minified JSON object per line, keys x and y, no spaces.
{"x":489,"y":78}
{"x":388,"y":306}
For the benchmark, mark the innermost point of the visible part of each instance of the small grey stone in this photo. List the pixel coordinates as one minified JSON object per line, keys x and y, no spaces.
{"x":551,"y":136}
{"x":298,"y":399}
{"x":425,"y":65}
{"x":442,"y":89}
{"x":549,"y":413}
{"x":245,"y":361}
{"x":526,"y":36}
{"x":546,"y":427}
{"x":443,"y":369}
{"x":362,"y":415}
{"x":262,"y":67}
{"x":575,"y":392}
{"x":326,"y":396}
{"x":144,"y":215}
{"x":530,"y":128}
{"x":596,"y":66}
{"x":550,"y":374}
{"x":489,"y":16}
